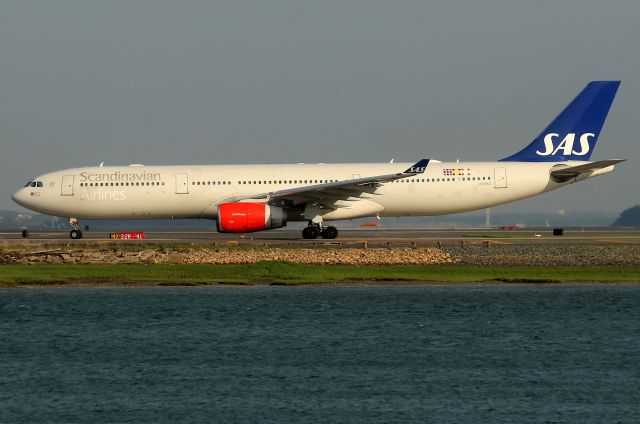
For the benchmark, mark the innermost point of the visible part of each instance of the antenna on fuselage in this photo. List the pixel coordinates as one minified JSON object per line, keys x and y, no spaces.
{"x":391,"y":161}
{"x":101,"y":163}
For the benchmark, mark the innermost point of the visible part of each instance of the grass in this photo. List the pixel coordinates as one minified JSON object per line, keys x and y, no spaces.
{"x":290,"y":274}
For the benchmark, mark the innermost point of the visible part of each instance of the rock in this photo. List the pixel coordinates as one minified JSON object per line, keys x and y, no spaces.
{"x":53,"y":259}
{"x":146,"y":255}
{"x":174,"y":258}
{"x":128,"y":260}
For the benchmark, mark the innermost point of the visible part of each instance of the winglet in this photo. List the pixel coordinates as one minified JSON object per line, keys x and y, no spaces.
{"x":418,"y":168}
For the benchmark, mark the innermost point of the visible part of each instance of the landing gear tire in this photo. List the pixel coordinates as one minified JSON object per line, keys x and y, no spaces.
{"x":310,"y":232}
{"x":75,"y":234}
{"x":329,"y":233}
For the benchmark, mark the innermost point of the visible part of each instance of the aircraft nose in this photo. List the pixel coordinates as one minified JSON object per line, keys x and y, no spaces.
{"x":19,"y":197}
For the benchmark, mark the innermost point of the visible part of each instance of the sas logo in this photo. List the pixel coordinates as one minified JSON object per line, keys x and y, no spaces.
{"x":566,"y":145}
{"x":416,"y":170}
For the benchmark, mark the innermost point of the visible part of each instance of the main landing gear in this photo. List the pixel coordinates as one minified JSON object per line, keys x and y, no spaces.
{"x":315,"y":229}
{"x":75,"y":232}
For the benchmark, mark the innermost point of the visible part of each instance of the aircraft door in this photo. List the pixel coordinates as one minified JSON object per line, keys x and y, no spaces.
{"x":500,"y":178}
{"x":182,"y":184}
{"x":67,"y":185}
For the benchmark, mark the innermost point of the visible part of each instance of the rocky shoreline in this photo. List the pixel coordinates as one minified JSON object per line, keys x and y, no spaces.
{"x":547,"y":255}
{"x":222,"y":256}
{"x":494,"y":255}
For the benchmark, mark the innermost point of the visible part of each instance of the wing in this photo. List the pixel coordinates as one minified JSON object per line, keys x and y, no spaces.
{"x":566,"y":173}
{"x":333,"y":191}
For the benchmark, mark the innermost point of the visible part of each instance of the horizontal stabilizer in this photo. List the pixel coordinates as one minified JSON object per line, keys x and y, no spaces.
{"x":566,"y":173}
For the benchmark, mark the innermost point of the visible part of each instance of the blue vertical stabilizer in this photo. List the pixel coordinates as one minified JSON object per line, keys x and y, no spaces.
{"x":574,"y":133}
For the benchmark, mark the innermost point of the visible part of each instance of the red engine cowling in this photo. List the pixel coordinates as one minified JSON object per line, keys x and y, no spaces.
{"x":248,"y":217}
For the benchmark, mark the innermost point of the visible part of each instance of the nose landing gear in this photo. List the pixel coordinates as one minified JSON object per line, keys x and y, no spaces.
{"x":313,"y":230}
{"x":75,"y":232}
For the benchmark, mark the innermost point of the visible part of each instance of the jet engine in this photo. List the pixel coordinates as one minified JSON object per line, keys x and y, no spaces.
{"x":242,"y":217}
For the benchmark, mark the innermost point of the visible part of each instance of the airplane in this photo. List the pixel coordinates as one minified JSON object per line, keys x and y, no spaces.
{"x":249,"y":198}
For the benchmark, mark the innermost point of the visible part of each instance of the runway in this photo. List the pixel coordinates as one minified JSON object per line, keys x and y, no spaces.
{"x":347,"y":238}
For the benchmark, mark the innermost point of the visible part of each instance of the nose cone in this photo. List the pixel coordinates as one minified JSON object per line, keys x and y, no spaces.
{"x":20,"y":197}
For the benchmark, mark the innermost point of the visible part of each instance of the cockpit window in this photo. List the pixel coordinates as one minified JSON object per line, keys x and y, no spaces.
{"x":33,"y":184}
{"x":39,"y":184}
{"x":28,"y":184}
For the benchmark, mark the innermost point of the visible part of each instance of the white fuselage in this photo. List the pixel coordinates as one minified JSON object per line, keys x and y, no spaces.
{"x":142,"y":192}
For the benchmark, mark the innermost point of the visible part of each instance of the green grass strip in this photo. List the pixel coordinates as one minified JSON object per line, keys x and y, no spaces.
{"x":289,"y":273}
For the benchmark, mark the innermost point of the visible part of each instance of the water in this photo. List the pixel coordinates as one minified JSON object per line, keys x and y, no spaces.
{"x":321,"y":354}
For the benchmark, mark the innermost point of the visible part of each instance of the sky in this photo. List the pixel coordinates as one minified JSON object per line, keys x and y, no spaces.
{"x":213,"y":82}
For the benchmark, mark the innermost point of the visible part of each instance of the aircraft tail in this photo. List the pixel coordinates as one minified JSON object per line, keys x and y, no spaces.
{"x":574,"y":133}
